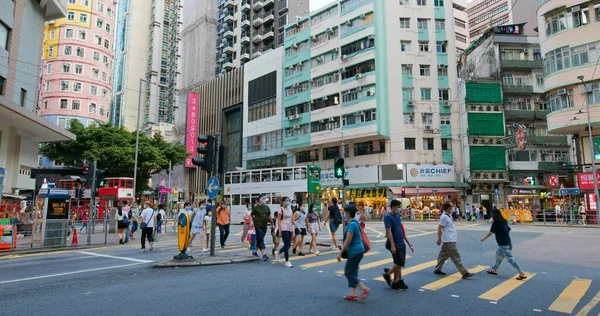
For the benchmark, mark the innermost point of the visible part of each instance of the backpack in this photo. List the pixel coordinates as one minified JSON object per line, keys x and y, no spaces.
{"x":158,"y":216}
{"x":337,"y":217}
{"x":125,"y":220}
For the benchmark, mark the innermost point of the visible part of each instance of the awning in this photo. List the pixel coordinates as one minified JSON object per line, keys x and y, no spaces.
{"x":424,"y":191}
{"x":12,"y":196}
{"x":527,"y":187}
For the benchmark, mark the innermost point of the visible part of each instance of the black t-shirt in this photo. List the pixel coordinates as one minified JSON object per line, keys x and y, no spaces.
{"x":334,"y":211}
{"x":501,"y":233}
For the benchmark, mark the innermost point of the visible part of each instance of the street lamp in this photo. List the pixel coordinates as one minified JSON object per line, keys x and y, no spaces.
{"x":592,"y":154}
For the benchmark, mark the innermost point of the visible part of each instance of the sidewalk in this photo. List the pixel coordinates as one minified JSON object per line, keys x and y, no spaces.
{"x":553,"y":224}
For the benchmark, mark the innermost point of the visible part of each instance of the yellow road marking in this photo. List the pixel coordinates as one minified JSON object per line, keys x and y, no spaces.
{"x":330,"y":261}
{"x":371,"y":265}
{"x":570,"y":297}
{"x":418,"y":267}
{"x":310,"y":255}
{"x":16,"y":256}
{"x":505,"y":288}
{"x":587,"y":308}
{"x":409,"y":236}
{"x":451,"y":279}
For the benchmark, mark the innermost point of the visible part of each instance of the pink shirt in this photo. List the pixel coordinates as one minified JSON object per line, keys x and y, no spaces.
{"x":286,"y":221}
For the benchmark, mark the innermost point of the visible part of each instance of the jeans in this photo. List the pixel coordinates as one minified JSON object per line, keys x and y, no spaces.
{"x":134,"y":227}
{"x":260,"y":237}
{"x":126,"y":234}
{"x":449,"y":251}
{"x":351,"y":269}
{"x":84,"y":226}
{"x":159,"y":226}
{"x":224,"y":230}
{"x":147,"y":233}
{"x":287,"y":242}
{"x":504,"y":252}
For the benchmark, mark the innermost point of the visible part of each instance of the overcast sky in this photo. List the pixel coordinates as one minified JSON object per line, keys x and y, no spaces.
{"x":317,"y":4}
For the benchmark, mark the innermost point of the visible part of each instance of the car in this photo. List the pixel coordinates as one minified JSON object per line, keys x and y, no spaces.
{"x":549,"y":213}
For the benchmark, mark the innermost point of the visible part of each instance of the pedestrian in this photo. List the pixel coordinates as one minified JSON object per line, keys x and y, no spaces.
{"x":395,"y":243}
{"x":198,"y":226}
{"x":285,"y":232}
{"x":223,"y":221}
{"x":247,"y":221}
{"x":582,"y":212}
{"x":85,"y":222}
{"x":447,"y":237}
{"x":501,"y":230}
{"x":127,"y":210}
{"x":484,"y":213}
{"x":468,"y":212}
{"x":163,"y":220}
{"x":558,"y":214}
{"x":382,"y":212}
{"x":313,"y":228}
{"x":121,"y":225}
{"x":147,"y":218}
{"x":274,"y":233}
{"x":300,"y":222}
{"x":478,"y":213}
{"x":335,"y":219}
{"x":135,"y":218}
{"x":354,"y":249}
{"x":160,"y":217}
{"x":208,"y":224}
{"x":295,"y":206}
{"x":261,"y":217}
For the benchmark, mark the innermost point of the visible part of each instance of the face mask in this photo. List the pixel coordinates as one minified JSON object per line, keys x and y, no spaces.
{"x":263,"y":202}
{"x":314,"y":209}
{"x":287,"y":203}
{"x":249,"y":207}
{"x":304,"y":208}
{"x":294,"y":205}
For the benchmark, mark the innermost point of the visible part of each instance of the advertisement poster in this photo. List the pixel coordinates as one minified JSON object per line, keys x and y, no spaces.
{"x":191,"y":137}
{"x":57,"y":209}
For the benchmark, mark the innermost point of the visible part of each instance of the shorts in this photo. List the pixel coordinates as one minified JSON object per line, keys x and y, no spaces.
{"x":314,"y":227}
{"x":333,"y":227}
{"x":197,"y":230}
{"x":400,"y":256}
{"x":301,"y":231}
{"x":121,"y":225}
{"x":275,"y":237}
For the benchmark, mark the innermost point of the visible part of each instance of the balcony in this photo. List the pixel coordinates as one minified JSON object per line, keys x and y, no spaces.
{"x":245,"y":6}
{"x":268,"y":34}
{"x":256,"y":52}
{"x":245,"y":21}
{"x":522,"y":89}
{"x":283,"y":6}
{"x":245,"y":55}
{"x":245,"y":39}
{"x":228,"y":65}
{"x":257,"y":38}
{"x":551,"y":166}
{"x":228,"y":48}
{"x":257,"y":21}
{"x":229,"y":4}
{"x":229,"y":17}
{"x":268,"y":17}
{"x":257,"y":5}
{"x":268,"y":3}
{"x":229,"y":33}
{"x":268,"y":48}
{"x":547,"y":140}
{"x":521,"y":64}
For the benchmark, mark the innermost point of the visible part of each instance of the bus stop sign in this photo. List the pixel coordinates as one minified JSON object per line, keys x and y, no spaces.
{"x":212,"y":187}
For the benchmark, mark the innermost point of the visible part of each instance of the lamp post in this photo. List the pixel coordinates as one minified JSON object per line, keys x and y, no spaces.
{"x":592,"y":154}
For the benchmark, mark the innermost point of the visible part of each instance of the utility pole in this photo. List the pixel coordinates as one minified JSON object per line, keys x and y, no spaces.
{"x":213,"y":224}
{"x":343,"y":154}
{"x":92,"y":201}
{"x":169,"y":195}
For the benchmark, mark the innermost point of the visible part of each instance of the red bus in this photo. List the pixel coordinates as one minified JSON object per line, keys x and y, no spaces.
{"x":72,"y":185}
{"x":115,"y":191}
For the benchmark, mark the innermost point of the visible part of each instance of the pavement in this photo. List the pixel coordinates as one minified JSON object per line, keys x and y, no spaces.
{"x":561,"y":262}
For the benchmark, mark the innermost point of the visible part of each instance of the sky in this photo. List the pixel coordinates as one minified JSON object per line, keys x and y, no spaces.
{"x":317,"y":4}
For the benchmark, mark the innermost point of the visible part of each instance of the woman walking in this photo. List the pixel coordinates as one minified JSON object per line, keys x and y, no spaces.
{"x":355,"y":249}
{"x":285,"y":232}
{"x":501,"y":230}
{"x":300,"y":222}
{"x":121,"y":225}
{"x":247,"y":221}
{"x":223,"y":221}
{"x":313,"y":227}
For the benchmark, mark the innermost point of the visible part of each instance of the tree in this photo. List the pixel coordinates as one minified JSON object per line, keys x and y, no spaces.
{"x":114,"y":148}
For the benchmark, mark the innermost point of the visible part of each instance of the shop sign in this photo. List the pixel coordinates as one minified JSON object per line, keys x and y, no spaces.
{"x":429,"y":173}
{"x":585,"y":180}
{"x":192,"y":122}
{"x":519,"y":191}
{"x":360,"y":175}
{"x":591,"y":201}
{"x":366,"y":193}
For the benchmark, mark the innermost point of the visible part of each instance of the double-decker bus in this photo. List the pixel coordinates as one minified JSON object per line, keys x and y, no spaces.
{"x":72,"y":185}
{"x":113,"y":193}
{"x":301,"y":183}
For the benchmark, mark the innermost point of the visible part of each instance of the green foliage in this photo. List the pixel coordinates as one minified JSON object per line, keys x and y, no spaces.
{"x":114,"y":148}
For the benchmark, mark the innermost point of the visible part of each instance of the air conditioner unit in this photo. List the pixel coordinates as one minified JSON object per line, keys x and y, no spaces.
{"x":575,"y":9}
{"x":342,"y":70}
{"x":411,"y":103}
{"x":299,"y":64}
{"x":446,"y":103}
{"x":335,"y":50}
{"x":442,"y":66}
{"x":349,"y":23}
{"x":363,"y":16}
{"x":561,"y":91}
{"x":51,"y":22}
{"x":343,"y":57}
{"x":312,"y":101}
{"x":359,"y":89}
{"x":314,"y":38}
{"x":297,"y":116}
{"x":359,"y":113}
{"x":362,"y":45}
{"x":525,"y":50}
{"x":292,"y":67}
{"x":290,"y":118}
{"x":319,"y":59}
{"x":295,"y":46}
{"x":295,"y":85}
{"x":322,"y":121}
{"x":296,"y":127}
{"x":330,"y":31}
{"x":371,"y":37}
{"x":359,"y":76}
{"x":428,"y":128}
{"x":538,"y":100}
{"x":331,"y":119}
{"x":537,"y":50}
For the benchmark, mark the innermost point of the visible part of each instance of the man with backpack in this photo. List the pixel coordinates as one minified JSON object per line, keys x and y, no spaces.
{"x":335,"y":219}
{"x":395,"y":243}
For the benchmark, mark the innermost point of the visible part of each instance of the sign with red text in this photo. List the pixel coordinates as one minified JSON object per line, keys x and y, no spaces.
{"x":553,"y":180}
{"x":191,"y":137}
{"x":520,"y":135}
{"x":585,"y":180}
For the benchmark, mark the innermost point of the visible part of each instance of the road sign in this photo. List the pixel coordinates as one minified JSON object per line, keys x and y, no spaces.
{"x":2,"y":174}
{"x":553,"y":181}
{"x":212,"y":187}
{"x":572,"y":191}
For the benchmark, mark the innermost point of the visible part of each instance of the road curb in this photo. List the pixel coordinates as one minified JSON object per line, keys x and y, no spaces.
{"x":565,"y":226}
{"x":203,"y":261}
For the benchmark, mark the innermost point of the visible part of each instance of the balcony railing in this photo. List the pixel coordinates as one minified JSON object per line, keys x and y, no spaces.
{"x":520,"y":89}
{"x":547,"y":140}
{"x":521,"y":64}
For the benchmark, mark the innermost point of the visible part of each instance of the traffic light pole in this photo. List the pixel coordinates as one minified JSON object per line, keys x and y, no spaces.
{"x":213,"y":224}
{"x":343,"y":154}
{"x":92,"y":202}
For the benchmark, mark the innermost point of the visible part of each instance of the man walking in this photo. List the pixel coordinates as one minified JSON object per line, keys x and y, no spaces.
{"x":468,"y":212}
{"x":147,"y":219}
{"x":85,"y":222}
{"x":261,"y":216}
{"x":447,"y":237}
{"x":395,"y":244}
{"x":135,"y":218}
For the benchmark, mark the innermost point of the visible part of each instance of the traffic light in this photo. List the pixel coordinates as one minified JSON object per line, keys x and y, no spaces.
{"x":100,"y":179}
{"x":206,"y":147}
{"x":79,"y":193}
{"x":339,"y":169}
{"x":85,"y":169}
{"x":403,"y":192}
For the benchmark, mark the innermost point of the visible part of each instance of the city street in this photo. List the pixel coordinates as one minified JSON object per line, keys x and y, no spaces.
{"x":120,"y":279}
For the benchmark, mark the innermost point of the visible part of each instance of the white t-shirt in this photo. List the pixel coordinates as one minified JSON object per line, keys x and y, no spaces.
{"x":208,"y":220}
{"x":162,"y":214}
{"x":448,"y":228}
{"x":148,"y":217}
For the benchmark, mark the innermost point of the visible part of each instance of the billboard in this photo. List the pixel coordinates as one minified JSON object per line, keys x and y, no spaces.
{"x":429,"y":173}
{"x":191,"y":137}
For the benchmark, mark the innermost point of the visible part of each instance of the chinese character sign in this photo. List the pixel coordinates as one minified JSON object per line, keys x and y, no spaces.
{"x":191,"y":128}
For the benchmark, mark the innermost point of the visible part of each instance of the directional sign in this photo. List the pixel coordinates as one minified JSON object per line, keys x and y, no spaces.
{"x":572,"y":191}
{"x":212,"y":187}
{"x":2,"y":174}
{"x":553,"y":181}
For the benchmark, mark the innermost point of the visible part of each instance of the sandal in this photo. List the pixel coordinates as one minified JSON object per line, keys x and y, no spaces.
{"x":364,"y":294}
{"x":491,"y":272}
{"x":521,"y":277}
{"x":351,"y":298}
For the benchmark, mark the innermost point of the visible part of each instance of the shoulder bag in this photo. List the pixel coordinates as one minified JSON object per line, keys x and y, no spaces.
{"x":145,"y":224}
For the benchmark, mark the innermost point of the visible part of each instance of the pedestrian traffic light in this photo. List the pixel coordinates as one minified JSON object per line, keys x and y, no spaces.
{"x":100,"y":179}
{"x":79,"y":193}
{"x":206,"y":148}
{"x":85,"y":169}
{"x":403,"y":192}
{"x":339,"y":169}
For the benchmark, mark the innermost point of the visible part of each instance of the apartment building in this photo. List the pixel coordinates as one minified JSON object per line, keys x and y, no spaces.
{"x":377,"y":79}
{"x":461,"y":25}
{"x":484,"y":14}
{"x":249,"y":28}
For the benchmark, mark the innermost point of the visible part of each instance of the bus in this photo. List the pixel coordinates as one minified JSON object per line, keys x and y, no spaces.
{"x":113,"y":193}
{"x":300,"y":183}
{"x":72,"y":185}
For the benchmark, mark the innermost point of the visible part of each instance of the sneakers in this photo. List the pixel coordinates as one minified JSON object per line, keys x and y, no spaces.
{"x":387,"y":277}
{"x":273,"y":251}
{"x":294,"y":250}
{"x":255,"y":254}
{"x":277,"y":256}
{"x":300,"y":254}
{"x":151,"y":248}
{"x":204,"y":250}
{"x":317,"y":253}
{"x":288,"y":264}
{"x":332,"y":248}
{"x":439,"y":272}
{"x":265,"y":258}
{"x":467,"y":275}
{"x":143,"y":249}
{"x":400,"y":285}
{"x":189,"y":248}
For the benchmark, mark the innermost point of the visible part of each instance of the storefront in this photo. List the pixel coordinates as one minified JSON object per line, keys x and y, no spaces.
{"x":585,"y":182}
{"x":525,"y":199}
{"x":364,"y":189}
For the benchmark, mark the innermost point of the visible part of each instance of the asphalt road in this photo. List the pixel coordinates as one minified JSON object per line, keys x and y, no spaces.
{"x":563,"y":263}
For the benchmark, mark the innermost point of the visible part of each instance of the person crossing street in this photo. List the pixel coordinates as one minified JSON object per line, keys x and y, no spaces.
{"x":447,"y":238}
{"x":396,"y":245}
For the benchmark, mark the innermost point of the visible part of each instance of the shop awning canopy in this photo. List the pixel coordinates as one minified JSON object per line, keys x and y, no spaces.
{"x":424,"y":191}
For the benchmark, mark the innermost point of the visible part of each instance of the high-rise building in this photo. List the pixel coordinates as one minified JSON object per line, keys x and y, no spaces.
{"x":484,"y":14}
{"x":146,"y":48}
{"x":461,"y":25}
{"x":78,"y":60}
{"x":21,"y":129}
{"x":374,"y":81}
{"x":249,"y":28}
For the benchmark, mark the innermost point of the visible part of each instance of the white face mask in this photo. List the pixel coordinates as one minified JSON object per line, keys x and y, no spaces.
{"x":304,"y":208}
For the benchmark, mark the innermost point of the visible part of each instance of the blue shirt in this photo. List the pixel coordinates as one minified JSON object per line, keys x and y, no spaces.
{"x":395,"y":223}
{"x":356,"y":245}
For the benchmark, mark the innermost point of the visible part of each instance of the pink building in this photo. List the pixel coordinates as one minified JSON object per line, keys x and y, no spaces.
{"x":78,"y":57}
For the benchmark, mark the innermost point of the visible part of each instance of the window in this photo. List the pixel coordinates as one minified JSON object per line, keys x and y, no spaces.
{"x":445,"y":119}
{"x":106,"y":44}
{"x":103,"y":93}
{"x":63,"y":104}
{"x":362,"y":68}
{"x":334,"y":152}
{"x":66,"y":67}
{"x":428,"y":144}
{"x":107,"y":28}
{"x":99,"y":23}
{"x":102,"y":110}
{"x":410,"y":143}
{"x":45,"y":104}
{"x":105,"y":60}
{"x":325,"y":125}
{"x":77,"y":87}
{"x":100,"y":6}
{"x":369,"y":148}
{"x":405,"y":46}
{"x":440,"y":47}
{"x":49,"y":68}
{"x":325,"y":80}
{"x":69,"y":33}
{"x":427,"y":118}
{"x":556,"y":23}
{"x":359,"y":117}
{"x":2,"y":81}
{"x":98,"y":39}
{"x":423,"y":46}
{"x":404,"y":23}
{"x":307,"y":156}
{"x":71,"y":16}
{"x":52,"y":33}
{"x":47,"y":86}
{"x":443,"y":72}
{"x":444,"y":94}
{"x":446,"y":143}
{"x":92,"y":108}
{"x":68,"y":50}
{"x":64,"y":85}
{"x":23,"y":97}
{"x":581,"y":17}
{"x":51,"y":51}
{"x":422,"y":24}
{"x":424,"y":70}
{"x":597,"y":11}
{"x":75,"y":105}
{"x":403,"y":2}
{"x":103,"y":76}
{"x":83,"y":17}
{"x":593,"y":95}
{"x":262,"y":109}
{"x":95,"y":73}
{"x":440,"y":25}
{"x":80,"y":52}
{"x":425,"y":94}
{"x":85,"y":3}
{"x":4,"y":36}
{"x":93,"y":90}
{"x":409,"y":118}
{"x":421,"y":2}
{"x":438,"y":3}
{"x":79,"y":69}
{"x":96,"y":56}
{"x":407,"y":70}
{"x":407,"y":94}
{"x":81,"y":35}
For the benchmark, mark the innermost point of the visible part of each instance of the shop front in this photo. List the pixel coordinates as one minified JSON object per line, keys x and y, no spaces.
{"x":525,"y":198}
{"x":585,"y":182}
{"x":364,"y":189}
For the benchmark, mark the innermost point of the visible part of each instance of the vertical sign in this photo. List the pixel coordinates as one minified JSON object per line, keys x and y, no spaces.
{"x":191,"y":138}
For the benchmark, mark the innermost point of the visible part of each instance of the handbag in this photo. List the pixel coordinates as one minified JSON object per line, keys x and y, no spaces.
{"x":145,"y":224}
{"x":365,"y":240}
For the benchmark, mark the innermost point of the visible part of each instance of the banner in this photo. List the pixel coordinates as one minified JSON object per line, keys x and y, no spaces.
{"x":585,"y":180}
{"x":429,"y":173}
{"x":191,"y":137}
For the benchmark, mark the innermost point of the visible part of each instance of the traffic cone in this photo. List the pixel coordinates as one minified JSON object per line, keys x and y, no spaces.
{"x":74,"y":242}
